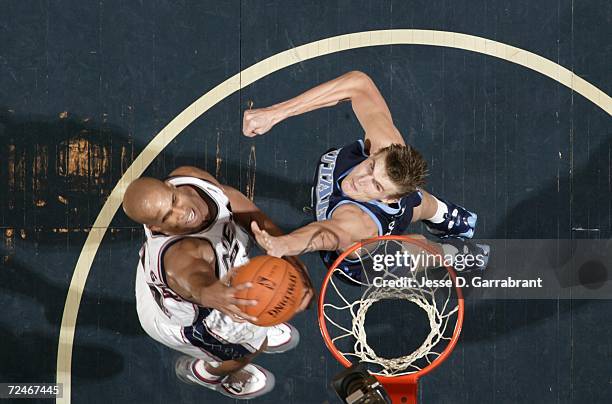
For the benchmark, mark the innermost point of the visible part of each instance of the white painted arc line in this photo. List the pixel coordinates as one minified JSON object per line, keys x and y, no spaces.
{"x":248,"y":76}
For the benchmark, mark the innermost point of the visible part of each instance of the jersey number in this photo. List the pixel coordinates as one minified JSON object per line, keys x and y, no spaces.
{"x":230,"y":245}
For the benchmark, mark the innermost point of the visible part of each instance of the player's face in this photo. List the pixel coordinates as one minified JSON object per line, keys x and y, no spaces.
{"x":369,"y":180}
{"x":179,"y":210}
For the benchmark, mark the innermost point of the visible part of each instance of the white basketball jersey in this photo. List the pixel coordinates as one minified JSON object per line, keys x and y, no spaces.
{"x":229,"y":241}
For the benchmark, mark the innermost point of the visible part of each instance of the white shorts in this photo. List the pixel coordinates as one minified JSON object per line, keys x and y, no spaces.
{"x":213,"y":337}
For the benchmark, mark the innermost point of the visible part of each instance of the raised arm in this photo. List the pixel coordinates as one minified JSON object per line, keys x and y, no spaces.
{"x":367,"y":102}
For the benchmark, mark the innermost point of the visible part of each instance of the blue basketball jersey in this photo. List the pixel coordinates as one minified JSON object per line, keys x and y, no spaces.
{"x":327,"y":195}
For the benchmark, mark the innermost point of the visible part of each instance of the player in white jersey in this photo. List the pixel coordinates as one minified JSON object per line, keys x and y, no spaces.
{"x":195,"y":236}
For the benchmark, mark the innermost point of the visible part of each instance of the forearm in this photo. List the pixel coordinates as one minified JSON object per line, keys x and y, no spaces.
{"x":245,"y":212}
{"x":313,"y":237}
{"x":204,"y":295}
{"x":327,"y":94}
{"x":245,"y":219}
{"x":193,"y":287}
{"x":265,"y":223}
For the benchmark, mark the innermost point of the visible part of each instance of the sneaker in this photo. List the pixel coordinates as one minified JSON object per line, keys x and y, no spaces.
{"x":480,"y":252}
{"x":249,"y":382}
{"x":185,"y":369}
{"x":282,"y":338}
{"x":458,"y":221}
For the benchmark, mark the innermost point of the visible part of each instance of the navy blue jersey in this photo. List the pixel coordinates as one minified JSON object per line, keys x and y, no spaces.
{"x":327,"y":195}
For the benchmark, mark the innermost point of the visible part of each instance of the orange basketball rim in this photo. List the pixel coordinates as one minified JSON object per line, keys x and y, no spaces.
{"x":400,"y":388}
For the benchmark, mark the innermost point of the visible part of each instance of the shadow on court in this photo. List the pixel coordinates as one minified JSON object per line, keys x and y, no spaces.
{"x":120,"y":314}
{"x":62,"y":168}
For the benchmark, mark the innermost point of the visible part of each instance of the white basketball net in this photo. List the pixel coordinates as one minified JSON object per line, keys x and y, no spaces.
{"x":346,"y":318}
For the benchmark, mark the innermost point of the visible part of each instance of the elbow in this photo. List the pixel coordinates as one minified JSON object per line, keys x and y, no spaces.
{"x":357,"y":75}
{"x":360,"y":82}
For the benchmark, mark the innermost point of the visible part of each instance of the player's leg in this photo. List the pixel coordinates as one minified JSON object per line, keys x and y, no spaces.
{"x":237,"y":378}
{"x":444,"y":218}
{"x":227,"y":367}
{"x":208,"y":361}
{"x":233,"y":345}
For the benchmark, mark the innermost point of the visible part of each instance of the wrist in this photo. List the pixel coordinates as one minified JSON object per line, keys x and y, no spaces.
{"x":203,"y":299}
{"x":280,"y":112}
{"x":295,"y":244}
{"x":206,"y":296}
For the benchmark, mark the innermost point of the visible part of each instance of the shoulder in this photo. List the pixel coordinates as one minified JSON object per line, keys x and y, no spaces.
{"x":348,"y":210}
{"x":358,"y":147}
{"x":353,"y":219}
{"x":230,"y":192}
{"x":188,"y":249}
{"x":190,"y":171}
{"x":347,"y":156}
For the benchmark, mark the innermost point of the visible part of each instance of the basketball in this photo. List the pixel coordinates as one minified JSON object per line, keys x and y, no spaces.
{"x":277,"y":286}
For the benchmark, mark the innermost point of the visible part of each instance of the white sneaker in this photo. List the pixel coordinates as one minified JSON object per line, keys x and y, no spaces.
{"x":282,"y":338}
{"x":185,"y":369}
{"x":249,"y":382}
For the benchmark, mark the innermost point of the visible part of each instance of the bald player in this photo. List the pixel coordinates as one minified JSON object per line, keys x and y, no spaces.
{"x":195,"y":236}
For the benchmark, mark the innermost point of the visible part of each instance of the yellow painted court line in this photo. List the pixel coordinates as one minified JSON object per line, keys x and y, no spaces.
{"x":254,"y":73}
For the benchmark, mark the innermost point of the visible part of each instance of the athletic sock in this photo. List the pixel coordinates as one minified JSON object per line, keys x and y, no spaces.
{"x":200,"y":368}
{"x":438,"y":217}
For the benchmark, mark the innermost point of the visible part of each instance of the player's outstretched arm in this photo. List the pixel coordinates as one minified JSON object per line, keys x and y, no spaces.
{"x":246,"y":212}
{"x":190,"y":273}
{"x":367,"y":102}
{"x":348,"y":225}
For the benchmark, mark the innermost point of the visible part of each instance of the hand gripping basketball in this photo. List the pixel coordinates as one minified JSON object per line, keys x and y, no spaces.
{"x":277,"y":247}
{"x":224,"y":298}
{"x":277,"y":286}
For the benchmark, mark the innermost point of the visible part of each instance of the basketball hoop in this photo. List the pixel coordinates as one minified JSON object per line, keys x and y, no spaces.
{"x":343,"y":308}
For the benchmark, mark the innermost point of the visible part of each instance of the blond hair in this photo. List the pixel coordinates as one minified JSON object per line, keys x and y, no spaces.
{"x":405,"y":167}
